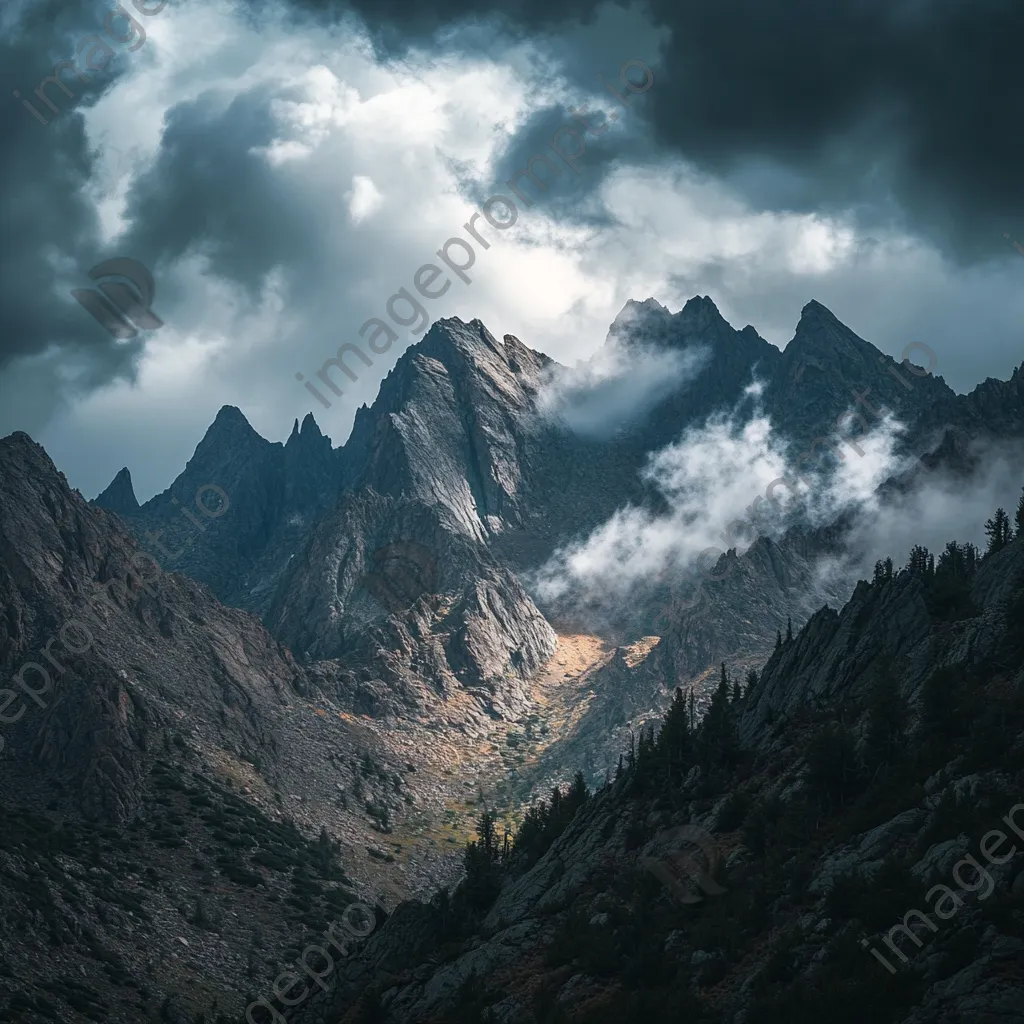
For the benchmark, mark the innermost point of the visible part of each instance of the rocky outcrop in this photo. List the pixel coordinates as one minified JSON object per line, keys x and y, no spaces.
{"x":737,"y":615}
{"x":397,"y":584}
{"x":275,"y":493}
{"x":451,"y":427}
{"x":119,"y":496}
{"x":840,"y":654}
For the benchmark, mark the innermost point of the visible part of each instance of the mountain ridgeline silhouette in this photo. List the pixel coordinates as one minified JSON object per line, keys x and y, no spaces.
{"x":343,"y":682}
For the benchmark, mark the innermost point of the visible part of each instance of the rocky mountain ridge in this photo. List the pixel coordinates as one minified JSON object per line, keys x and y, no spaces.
{"x":400,"y":674}
{"x":458,"y":425}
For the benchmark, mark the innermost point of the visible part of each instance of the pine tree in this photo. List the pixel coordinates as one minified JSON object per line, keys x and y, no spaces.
{"x":556,"y":800}
{"x":752,"y":678}
{"x":971,"y":558}
{"x":789,"y":630}
{"x":950,"y":596}
{"x":482,"y":861}
{"x":953,"y":561}
{"x":1020,"y":514}
{"x":718,"y":740}
{"x":879,"y":576}
{"x":778,"y":639}
{"x":675,"y":745}
{"x":918,"y":562}
{"x":646,"y":756}
{"x":999,"y":531}
{"x":578,"y":792}
{"x":487,"y":835}
{"x":737,"y":693}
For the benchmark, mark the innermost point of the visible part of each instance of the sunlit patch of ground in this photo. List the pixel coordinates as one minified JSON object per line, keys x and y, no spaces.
{"x":636,"y":654}
{"x":495,"y":771}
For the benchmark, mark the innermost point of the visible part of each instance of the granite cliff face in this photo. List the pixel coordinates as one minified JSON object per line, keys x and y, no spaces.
{"x":465,"y":620}
{"x":451,"y":426}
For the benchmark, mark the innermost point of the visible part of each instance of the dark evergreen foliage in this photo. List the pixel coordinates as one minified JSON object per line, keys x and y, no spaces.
{"x":999,"y":531}
{"x":751,"y":686}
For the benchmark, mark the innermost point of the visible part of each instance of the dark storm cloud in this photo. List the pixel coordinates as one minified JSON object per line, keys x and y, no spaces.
{"x":908,"y":110}
{"x":46,"y":216}
{"x":548,"y":184}
{"x":210,"y":192}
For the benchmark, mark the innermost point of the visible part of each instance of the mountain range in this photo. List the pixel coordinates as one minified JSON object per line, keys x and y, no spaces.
{"x":310,"y":669}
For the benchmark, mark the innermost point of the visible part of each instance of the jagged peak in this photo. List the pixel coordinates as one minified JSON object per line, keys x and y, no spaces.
{"x":230,"y":425}
{"x":18,"y":439}
{"x":119,"y":495}
{"x":309,"y":430}
{"x":518,"y":354}
{"x":818,"y":310}
{"x":636,"y":314}
{"x":461,"y":336}
{"x":310,"y":426}
{"x":454,"y":342}
{"x":231,"y":415}
{"x":815,"y":315}
{"x":820,"y":331}
{"x":20,"y":446}
{"x":700,"y":315}
{"x":702,"y":304}
{"x":228,"y":435}
{"x":817,"y":318}
{"x":640,"y":307}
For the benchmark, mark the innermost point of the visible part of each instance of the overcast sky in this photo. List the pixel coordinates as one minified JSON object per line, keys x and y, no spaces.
{"x":283,"y":169}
